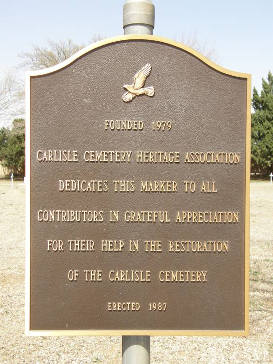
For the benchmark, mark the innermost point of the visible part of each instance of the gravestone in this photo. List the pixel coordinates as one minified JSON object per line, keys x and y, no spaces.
{"x":138,"y":200}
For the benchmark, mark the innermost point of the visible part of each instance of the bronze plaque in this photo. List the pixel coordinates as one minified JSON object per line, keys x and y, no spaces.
{"x":139,"y":193}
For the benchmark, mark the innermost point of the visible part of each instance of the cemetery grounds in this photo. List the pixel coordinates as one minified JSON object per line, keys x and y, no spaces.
{"x":16,"y":348}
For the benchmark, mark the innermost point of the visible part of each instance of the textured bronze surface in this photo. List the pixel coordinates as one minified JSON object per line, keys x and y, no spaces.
{"x":207,"y":111}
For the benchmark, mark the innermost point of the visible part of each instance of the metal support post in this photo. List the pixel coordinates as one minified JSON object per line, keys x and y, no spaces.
{"x":135,"y":349}
{"x":138,"y":18}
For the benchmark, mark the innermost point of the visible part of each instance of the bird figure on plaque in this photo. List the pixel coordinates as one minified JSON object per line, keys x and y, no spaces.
{"x":136,"y":88}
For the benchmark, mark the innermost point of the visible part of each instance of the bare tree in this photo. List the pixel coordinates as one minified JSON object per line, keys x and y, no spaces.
{"x":193,"y":42}
{"x":11,"y":99}
{"x":12,"y":87}
{"x":97,"y":38}
{"x":56,"y":52}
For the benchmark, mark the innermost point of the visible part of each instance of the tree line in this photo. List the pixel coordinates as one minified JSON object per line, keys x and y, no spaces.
{"x":262,"y":128}
{"x":12,"y":147}
{"x":12,"y":140}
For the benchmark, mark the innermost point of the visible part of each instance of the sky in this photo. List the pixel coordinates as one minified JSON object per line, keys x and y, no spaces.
{"x":240,"y":32}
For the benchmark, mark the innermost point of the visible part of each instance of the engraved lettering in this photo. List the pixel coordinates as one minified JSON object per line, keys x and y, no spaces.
{"x":113,"y":216}
{"x":106,"y":156}
{"x":112,"y":245}
{"x":157,"y":157}
{"x":55,"y":245}
{"x":181,"y":276}
{"x":157,"y":306}
{"x":123,"y":306}
{"x":147,"y":216}
{"x":153,"y":246}
{"x":70,"y":216}
{"x":93,"y":275}
{"x":124,"y":125}
{"x":81,"y":245}
{"x":57,"y":155}
{"x":158,"y":186}
{"x":162,"y":125}
{"x":212,"y":157}
{"x":208,"y":187}
{"x":73,"y":275}
{"x":139,"y":276}
{"x":124,"y":186}
{"x":205,"y":217}
{"x":72,"y":185}
{"x":208,"y":246}
{"x":133,"y":246}
{"x":189,"y":186}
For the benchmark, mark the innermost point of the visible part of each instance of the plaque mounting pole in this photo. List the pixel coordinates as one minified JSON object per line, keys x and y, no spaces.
{"x":138,"y":18}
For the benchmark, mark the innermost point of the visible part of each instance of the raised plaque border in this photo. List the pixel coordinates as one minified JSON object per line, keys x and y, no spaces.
{"x":216,"y":67}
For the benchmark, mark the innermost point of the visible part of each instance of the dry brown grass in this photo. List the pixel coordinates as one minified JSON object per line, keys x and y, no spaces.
{"x":16,"y":348}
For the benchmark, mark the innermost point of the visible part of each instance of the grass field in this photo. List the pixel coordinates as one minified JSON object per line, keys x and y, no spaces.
{"x":16,"y":348}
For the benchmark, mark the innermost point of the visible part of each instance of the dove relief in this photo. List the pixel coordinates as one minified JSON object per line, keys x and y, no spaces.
{"x":137,"y":87}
